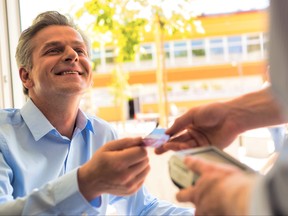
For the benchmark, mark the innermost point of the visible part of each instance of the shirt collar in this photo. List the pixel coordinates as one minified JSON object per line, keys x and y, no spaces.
{"x":83,"y":121}
{"x":34,"y":117}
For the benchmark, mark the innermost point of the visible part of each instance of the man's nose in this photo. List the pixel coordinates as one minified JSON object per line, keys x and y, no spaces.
{"x":70,"y":55}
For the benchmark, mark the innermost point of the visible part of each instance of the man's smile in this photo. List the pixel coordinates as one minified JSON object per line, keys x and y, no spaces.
{"x":69,"y":72}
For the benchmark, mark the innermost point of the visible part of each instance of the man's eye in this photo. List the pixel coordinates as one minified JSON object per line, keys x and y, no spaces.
{"x":81,"y":51}
{"x":53,"y":51}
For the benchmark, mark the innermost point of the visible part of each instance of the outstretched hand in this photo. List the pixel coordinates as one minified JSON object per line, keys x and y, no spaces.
{"x":201,"y":126}
{"x":118,"y":168}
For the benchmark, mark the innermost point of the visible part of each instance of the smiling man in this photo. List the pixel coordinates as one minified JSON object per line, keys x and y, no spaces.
{"x":54,"y":159}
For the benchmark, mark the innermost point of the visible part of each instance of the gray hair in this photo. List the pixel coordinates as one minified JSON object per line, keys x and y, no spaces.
{"x":25,"y":47}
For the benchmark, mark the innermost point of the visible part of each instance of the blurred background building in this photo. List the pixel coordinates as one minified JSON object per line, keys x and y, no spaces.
{"x":222,"y":55}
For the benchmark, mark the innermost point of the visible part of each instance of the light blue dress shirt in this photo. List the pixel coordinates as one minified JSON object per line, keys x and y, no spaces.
{"x":38,"y":168}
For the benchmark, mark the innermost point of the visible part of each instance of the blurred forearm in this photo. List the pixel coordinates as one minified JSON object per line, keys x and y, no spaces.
{"x":253,"y":110}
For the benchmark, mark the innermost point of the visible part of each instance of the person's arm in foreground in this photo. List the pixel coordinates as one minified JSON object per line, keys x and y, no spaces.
{"x":234,"y":192}
{"x":220,"y":189}
{"x":224,"y":190}
{"x":220,"y":123}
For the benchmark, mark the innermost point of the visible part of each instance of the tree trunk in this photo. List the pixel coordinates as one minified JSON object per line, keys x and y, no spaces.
{"x":161,"y":76}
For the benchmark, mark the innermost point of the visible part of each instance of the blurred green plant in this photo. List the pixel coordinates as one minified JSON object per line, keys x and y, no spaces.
{"x":185,"y":87}
{"x":120,"y":28}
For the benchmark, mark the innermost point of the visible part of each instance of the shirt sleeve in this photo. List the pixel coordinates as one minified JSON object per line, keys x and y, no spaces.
{"x":269,"y":197}
{"x":260,"y":204}
{"x":278,"y":51}
{"x":147,"y":205}
{"x":60,"y":197}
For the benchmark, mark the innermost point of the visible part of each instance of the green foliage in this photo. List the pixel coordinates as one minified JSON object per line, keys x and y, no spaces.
{"x":126,"y":30}
{"x":122,"y":27}
{"x":169,"y":88}
{"x":103,"y":14}
{"x":130,"y":39}
{"x":185,"y":87}
{"x":199,"y":52}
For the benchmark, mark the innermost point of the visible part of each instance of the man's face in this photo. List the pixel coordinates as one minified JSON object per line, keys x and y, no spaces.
{"x":61,"y":65}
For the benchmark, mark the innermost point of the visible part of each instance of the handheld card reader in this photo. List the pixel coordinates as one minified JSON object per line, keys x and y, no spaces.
{"x":183,"y":177}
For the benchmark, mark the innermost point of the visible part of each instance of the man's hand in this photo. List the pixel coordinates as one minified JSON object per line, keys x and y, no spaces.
{"x":220,"y":190}
{"x":118,"y":168}
{"x":220,"y":123}
{"x":201,"y":126}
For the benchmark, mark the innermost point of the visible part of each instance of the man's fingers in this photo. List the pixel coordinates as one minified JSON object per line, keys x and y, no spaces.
{"x":175,"y":146}
{"x":136,"y":177}
{"x":186,"y":195}
{"x":197,"y":165}
{"x":132,"y":155}
{"x":123,"y":143}
{"x":160,"y":150}
{"x":140,"y":177}
{"x":140,"y":166}
{"x":180,"y":123}
{"x":185,"y":139}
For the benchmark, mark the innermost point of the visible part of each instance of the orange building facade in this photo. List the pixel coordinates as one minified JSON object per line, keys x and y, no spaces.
{"x":227,"y":59}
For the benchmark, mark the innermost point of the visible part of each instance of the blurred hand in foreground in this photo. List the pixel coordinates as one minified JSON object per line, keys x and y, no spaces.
{"x":220,"y":190}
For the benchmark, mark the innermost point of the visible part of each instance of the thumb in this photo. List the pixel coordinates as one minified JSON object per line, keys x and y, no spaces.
{"x":123,"y":143}
{"x":180,"y":124}
{"x":197,"y":165}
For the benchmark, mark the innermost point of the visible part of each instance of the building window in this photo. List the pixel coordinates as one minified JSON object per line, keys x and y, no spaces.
{"x":167,"y":50}
{"x":96,"y":58}
{"x":265,"y":42}
{"x":216,"y":47}
{"x":235,"y":45}
{"x":109,"y":56}
{"x":198,"y":48}
{"x":146,"y":52}
{"x":253,"y":44}
{"x":180,"y":49}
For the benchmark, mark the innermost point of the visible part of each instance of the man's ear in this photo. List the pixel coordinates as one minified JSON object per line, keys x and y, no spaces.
{"x":25,"y":78}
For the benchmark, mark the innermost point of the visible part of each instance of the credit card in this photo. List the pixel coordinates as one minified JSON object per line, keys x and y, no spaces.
{"x":156,"y":138}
